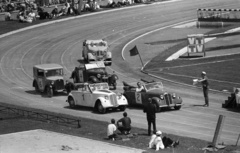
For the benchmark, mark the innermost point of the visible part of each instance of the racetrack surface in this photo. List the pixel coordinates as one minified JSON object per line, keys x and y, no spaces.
{"x":61,"y":43}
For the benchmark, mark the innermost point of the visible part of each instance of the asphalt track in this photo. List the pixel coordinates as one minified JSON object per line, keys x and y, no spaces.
{"x":61,"y":43}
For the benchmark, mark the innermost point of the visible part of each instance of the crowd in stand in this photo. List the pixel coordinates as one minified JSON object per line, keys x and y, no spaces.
{"x":29,"y":11}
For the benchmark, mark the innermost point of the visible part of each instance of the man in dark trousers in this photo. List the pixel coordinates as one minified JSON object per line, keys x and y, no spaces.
{"x":150,"y":109}
{"x":125,"y":127}
{"x":205,"y":86}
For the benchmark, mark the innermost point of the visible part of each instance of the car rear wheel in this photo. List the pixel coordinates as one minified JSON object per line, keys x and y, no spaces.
{"x":122,"y":108}
{"x":100,"y":108}
{"x":177,"y":107}
{"x":71,"y":102}
{"x":49,"y":92}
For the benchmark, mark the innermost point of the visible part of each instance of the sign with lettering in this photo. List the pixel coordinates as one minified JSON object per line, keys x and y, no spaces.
{"x":195,"y":48}
{"x":196,"y":43}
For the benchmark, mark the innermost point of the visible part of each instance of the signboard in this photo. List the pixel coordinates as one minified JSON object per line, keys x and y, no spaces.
{"x":196,"y":43}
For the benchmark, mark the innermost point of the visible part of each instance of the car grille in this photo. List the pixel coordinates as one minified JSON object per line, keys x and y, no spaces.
{"x":113,"y":99}
{"x":168,"y":98}
{"x":59,"y":84}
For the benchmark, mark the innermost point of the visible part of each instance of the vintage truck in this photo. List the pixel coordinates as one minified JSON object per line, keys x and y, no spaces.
{"x":96,"y":50}
{"x":48,"y":78}
{"x":94,"y":73}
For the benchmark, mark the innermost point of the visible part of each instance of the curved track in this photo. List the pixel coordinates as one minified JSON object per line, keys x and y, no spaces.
{"x":61,"y":43}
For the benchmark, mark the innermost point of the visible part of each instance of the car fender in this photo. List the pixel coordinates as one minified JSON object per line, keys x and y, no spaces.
{"x":122,"y":100}
{"x":105,"y":103}
{"x":177,"y":100}
{"x":156,"y":101}
{"x":71,"y":96}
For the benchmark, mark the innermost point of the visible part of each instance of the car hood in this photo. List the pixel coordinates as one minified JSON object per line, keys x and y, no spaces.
{"x":105,"y":92}
{"x":155,"y":91}
{"x":53,"y":78}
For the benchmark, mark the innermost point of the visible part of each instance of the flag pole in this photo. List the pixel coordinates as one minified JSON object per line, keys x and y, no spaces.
{"x":141,"y":59}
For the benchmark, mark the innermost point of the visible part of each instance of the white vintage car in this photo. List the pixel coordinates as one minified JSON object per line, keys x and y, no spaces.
{"x":97,"y":96}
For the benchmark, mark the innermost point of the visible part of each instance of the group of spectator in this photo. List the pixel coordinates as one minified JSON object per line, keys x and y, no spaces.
{"x":27,"y":13}
{"x":123,"y":125}
{"x":157,"y":140}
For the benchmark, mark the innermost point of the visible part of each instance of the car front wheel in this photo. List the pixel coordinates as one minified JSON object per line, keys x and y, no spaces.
{"x":100,"y":108}
{"x":122,"y":108}
{"x":177,"y":107}
{"x":71,"y":102}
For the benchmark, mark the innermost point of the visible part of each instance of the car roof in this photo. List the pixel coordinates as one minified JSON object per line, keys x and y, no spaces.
{"x":48,"y":66}
{"x":99,"y":64}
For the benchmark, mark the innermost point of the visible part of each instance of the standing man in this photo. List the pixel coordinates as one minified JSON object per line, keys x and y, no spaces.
{"x":150,"y":109}
{"x":205,"y":86}
{"x":125,"y":127}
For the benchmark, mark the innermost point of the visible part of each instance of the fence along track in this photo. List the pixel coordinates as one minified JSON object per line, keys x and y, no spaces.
{"x":47,"y":117}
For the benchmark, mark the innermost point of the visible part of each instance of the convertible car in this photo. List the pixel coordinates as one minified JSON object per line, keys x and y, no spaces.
{"x":97,"y":96}
{"x":152,"y":90}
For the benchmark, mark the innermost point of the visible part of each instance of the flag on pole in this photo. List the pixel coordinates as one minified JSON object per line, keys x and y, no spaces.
{"x":134,"y":51}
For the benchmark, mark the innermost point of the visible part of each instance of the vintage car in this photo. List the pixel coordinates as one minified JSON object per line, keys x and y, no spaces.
{"x":94,"y":73}
{"x":48,"y":78}
{"x":97,"y":96}
{"x":96,"y":50}
{"x":152,"y":90}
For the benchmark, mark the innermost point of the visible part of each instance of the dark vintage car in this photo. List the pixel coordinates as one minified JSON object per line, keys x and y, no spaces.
{"x":48,"y":78}
{"x":154,"y":90}
{"x":94,"y":73}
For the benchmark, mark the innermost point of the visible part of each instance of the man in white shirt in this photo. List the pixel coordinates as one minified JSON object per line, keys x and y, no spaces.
{"x":156,"y":141}
{"x":139,"y":87}
{"x":111,"y":130}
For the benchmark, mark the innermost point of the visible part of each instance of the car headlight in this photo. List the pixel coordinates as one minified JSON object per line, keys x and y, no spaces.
{"x":174,"y":95}
{"x":161,"y":97}
{"x":106,"y":97}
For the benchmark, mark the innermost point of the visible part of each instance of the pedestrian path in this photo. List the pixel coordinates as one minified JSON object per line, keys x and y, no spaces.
{"x":42,"y":141}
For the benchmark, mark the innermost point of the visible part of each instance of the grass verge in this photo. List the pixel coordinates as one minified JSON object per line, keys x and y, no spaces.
{"x":93,"y":129}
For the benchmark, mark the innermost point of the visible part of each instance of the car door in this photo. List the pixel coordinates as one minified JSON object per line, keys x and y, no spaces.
{"x":40,"y":79}
{"x":86,"y":96}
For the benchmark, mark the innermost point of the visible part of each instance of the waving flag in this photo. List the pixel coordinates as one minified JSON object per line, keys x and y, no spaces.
{"x":134,"y":51}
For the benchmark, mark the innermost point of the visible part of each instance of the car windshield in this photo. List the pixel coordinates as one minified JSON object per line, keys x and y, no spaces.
{"x":154,"y":85}
{"x":99,"y":86}
{"x":56,"y":72}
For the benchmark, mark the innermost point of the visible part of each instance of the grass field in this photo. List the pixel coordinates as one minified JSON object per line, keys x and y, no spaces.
{"x":222,"y":71}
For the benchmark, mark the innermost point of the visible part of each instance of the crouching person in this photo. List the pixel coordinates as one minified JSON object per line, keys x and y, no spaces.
{"x":125,"y":126}
{"x":111,"y":130}
{"x":159,"y":142}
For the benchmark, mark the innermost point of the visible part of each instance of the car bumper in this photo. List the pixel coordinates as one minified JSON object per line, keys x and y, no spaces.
{"x":171,"y":105}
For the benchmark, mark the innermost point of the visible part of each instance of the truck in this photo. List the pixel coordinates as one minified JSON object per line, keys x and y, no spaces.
{"x":94,"y":73}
